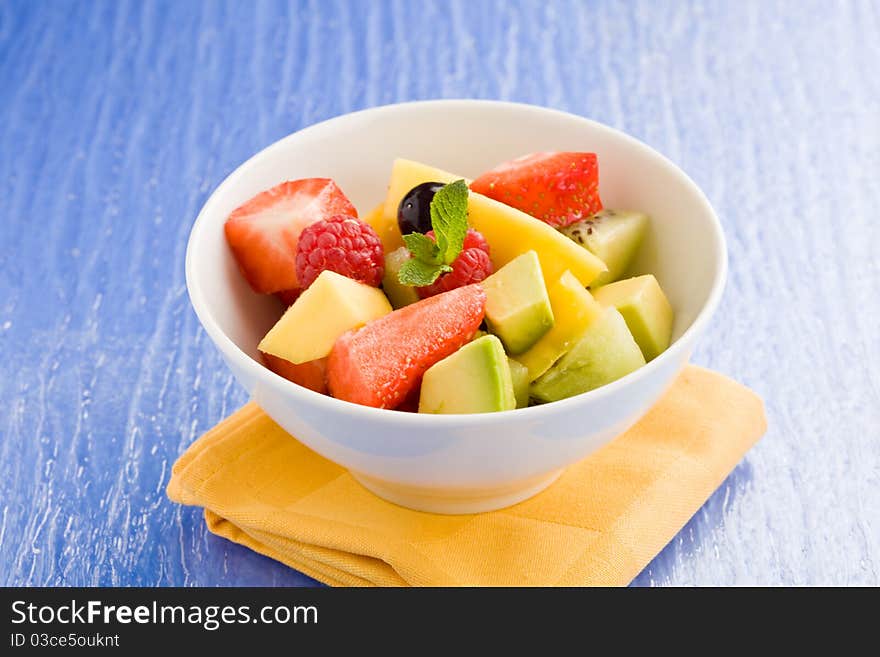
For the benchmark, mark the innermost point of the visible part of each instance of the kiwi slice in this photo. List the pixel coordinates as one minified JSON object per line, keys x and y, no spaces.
{"x":614,"y":236}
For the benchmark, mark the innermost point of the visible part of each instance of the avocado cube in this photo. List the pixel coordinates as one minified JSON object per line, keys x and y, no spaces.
{"x":517,"y":306}
{"x":474,"y":379}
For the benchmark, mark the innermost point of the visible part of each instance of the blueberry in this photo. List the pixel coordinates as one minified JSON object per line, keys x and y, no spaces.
{"x":414,"y":211}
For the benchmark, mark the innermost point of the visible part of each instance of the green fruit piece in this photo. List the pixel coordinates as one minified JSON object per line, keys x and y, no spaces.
{"x":612,"y":235}
{"x":605,"y":352}
{"x":646,"y":310}
{"x":517,"y":306}
{"x":519,"y":374}
{"x":398,"y":294}
{"x":475,"y":379}
{"x":574,"y":309}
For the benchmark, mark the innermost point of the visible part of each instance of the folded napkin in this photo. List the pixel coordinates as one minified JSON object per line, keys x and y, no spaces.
{"x":599,"y":524}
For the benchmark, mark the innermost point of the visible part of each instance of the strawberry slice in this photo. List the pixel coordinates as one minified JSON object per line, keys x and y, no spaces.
{"x":557,"y":188}
{"x":263,"y":233}
{"x":380,"y":364}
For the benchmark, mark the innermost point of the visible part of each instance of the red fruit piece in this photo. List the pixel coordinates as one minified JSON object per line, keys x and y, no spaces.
{"x":342,"y":244}
{"x":472,"y":240}
{"x":287,"y":297}
{"x":263,"y":233}
{"x":380,"y":364}
{"x":311,"y":374}
{"x":471,"y":266}
{"x":410,"y":403}
{"x":557,"y":188}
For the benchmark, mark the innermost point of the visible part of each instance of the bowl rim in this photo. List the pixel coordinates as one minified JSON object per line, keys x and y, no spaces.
{"x":258,"y":371}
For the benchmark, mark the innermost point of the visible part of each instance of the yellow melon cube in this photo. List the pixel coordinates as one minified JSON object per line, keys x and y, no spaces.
{"x":332,"y":305}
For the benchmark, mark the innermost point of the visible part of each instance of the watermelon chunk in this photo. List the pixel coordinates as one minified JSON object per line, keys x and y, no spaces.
{"x":380,"y":364}
{"x":310,"y":374}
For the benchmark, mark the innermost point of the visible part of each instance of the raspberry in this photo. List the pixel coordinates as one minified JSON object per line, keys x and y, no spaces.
{"x":472,"y":240}
{"x":287,"y":297}
{"x":471,"y":266}
{"x":342,"y":244}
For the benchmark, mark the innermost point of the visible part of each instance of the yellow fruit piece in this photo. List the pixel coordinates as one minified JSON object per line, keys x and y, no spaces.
{"x":574,"y":309}
{"x":509,"y":232}
{"x":332,"y":305}
{"x":386,"y":229}
{"x":604,"y":353}
{"x":406,"y":174}
{"x":645,"y":308}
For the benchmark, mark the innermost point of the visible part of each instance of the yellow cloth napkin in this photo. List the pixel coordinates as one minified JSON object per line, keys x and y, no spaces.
{"x":599,"y":524}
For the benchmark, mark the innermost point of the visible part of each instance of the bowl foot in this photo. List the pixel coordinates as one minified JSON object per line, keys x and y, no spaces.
{"x":456,"y":501}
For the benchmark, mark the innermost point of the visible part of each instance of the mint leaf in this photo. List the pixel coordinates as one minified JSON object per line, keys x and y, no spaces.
{"x":432,"y":258}
{"x":422,"y":247}
{"x":418,"y":272}
{"x":449,"y":219}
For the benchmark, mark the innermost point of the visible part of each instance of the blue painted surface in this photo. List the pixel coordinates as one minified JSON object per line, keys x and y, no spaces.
{"x":117,"y":119}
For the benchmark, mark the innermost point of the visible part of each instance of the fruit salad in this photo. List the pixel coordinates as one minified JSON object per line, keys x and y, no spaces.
{"x":453,"y":296}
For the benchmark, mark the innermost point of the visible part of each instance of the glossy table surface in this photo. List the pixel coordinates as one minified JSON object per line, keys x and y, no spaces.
{"x":118,"y":119}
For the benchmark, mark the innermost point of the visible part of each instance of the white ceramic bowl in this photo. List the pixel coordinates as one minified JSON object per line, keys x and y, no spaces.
{"x":459,"y":463}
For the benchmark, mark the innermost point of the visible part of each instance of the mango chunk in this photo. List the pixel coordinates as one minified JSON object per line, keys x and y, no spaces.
{"x":574,"y":309}
{"x":387,"y":229}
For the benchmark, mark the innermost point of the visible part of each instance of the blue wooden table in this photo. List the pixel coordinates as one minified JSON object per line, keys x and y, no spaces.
{"x":117,"y":119}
